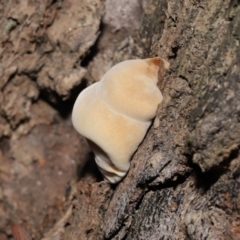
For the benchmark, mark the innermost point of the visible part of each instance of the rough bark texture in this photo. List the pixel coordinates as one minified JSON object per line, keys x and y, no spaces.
{"x":184,"y":179}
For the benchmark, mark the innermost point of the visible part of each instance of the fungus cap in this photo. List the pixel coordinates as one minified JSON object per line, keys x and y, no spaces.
{"x":115,"y":113}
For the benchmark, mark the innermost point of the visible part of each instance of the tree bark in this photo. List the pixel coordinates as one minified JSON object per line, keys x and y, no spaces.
{"x":184,"y":179}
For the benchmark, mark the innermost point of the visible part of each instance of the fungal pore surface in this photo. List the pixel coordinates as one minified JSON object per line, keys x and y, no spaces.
{"x":115,"y":113}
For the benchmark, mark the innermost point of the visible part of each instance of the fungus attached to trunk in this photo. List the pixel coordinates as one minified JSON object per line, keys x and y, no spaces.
{"x":115,"y":113}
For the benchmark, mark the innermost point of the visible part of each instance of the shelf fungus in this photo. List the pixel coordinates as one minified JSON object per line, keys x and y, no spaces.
{"x":115,"y":113}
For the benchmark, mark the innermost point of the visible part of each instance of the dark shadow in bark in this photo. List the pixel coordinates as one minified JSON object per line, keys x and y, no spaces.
{"x":63,"y":107}
{"x":204,"y":180}
{"x":90,"y":168}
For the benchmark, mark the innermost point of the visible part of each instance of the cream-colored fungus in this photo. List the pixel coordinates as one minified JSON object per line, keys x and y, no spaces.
{"x":115,"y":113}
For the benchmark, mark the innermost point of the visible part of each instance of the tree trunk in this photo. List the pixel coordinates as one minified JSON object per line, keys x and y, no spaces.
{"x":184,"y":179}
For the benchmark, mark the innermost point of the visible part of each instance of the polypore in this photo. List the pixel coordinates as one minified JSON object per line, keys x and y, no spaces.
{"x":115,"y":113}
